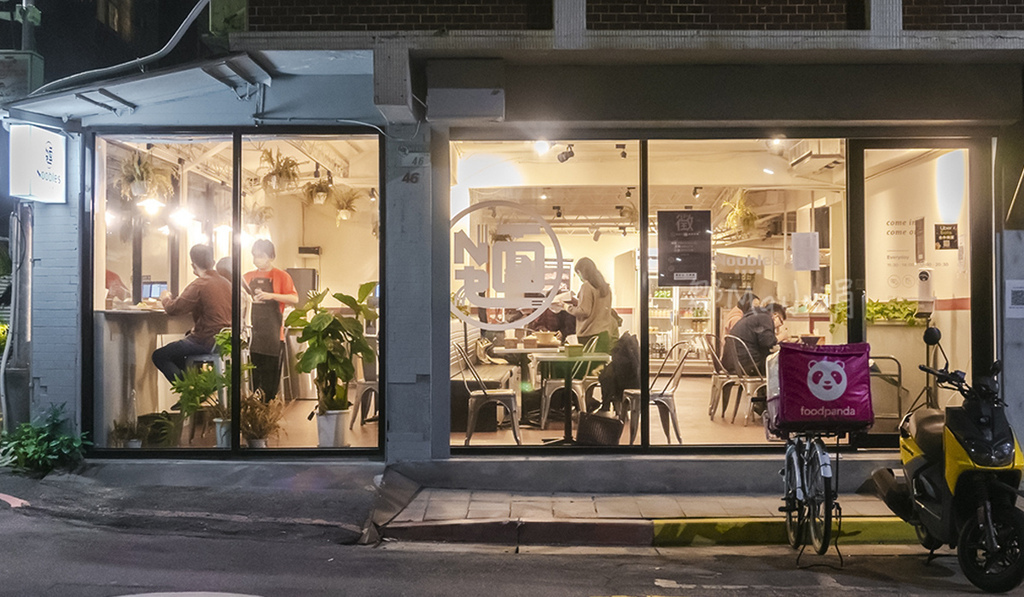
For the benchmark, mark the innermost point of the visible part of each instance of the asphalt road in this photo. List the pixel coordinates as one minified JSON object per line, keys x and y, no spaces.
{"x":45,"y":556}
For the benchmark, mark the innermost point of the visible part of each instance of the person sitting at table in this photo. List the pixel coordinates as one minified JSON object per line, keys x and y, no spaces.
{"x":116,"y":288}
{"x":757,"y":331}
{"x":747,"y":300}
{"x":779,"y":318}
{"x":208,"y":300}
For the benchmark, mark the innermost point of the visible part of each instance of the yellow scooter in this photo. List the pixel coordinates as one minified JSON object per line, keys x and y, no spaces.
{"x":961,"y":474}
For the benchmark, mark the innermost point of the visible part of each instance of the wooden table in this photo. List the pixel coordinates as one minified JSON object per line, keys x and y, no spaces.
{"x":560,"y":358}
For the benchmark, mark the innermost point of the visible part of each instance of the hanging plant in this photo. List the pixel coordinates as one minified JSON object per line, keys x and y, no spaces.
{"x":256,"y":214}
{"x":317,"y":192}
{"x":140,"y":178}
{"x":344,"y":200}
{"x":741,"y":219}
{"x":282,"y":171}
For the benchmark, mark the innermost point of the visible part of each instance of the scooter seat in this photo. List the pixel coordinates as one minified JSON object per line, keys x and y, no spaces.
{"x":926,"y":426}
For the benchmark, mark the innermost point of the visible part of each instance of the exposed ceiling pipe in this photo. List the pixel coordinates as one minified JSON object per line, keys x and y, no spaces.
{"x":138,"y":63}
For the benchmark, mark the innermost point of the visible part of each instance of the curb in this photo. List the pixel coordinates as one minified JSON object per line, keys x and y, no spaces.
{"x":856,"y":530}
{"x":692,"y":532}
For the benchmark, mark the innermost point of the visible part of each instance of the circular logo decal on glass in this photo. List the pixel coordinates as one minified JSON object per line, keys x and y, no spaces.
{"x":508,"y":273}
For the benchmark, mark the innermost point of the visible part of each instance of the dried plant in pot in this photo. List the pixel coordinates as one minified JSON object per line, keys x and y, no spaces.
{"x":127,"y":434}
{"x":260,"y":420}
{"x":139,"y":177}
{"x":282,"y":171}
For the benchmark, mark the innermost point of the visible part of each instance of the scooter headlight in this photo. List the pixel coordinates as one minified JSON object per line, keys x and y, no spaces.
{"x":982,"y":454}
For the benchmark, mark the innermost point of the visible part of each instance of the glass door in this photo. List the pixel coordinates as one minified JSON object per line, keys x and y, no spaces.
{"x":923,"y":258}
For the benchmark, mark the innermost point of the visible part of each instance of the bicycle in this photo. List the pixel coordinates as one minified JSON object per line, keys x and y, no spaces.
{"x":810,"y":494}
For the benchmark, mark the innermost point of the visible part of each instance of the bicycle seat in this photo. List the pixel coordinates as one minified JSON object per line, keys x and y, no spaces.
{"x":926,"y":426}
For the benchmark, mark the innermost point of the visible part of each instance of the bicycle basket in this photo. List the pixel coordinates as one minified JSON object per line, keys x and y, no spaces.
{"x":819,"y":388}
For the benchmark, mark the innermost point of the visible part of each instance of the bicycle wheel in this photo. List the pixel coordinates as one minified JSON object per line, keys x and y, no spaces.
{"x":794,"y":505}
{"x":818,"y":494}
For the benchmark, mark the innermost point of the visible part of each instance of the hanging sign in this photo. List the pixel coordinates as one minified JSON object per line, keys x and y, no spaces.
{"x":684,"y":248}
{"x":37,"y":164}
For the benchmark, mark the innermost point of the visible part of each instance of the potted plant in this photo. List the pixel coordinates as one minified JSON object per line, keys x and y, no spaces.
{"x":255,"y":214}
{"x":197,"y":388}
{"x":128,"y":434}
{"x":282,"y":171}
{"x":333,"y":340}
{"x":741,"y":220}
{"x":139,"y":177}
{"x":260,"y":420}
{"x":344,"y":203}
{"x":318,"y":191}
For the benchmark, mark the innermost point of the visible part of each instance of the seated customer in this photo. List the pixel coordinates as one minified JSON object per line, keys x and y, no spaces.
{"x":208,"y":300}
{"x":757,"y":330}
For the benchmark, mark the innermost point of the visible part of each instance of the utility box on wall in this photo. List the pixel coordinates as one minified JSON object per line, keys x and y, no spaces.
{"x":20,"y":74}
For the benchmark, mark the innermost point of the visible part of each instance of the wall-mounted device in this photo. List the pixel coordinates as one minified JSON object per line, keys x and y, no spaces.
{"x":925,"y":295}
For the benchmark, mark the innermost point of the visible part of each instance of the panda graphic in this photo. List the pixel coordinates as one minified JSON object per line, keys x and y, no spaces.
{"x":826,"y":379}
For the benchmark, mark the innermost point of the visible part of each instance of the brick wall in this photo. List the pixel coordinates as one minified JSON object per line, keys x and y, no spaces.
{"x":399,"y":15}
{"x":931,"y":15}
{"x":726,"y":14}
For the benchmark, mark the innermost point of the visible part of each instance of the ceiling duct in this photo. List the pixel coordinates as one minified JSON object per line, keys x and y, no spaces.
{"x":810,"y":156}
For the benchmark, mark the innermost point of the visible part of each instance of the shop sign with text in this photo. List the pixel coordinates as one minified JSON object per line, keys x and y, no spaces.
{"x":37,"y":164}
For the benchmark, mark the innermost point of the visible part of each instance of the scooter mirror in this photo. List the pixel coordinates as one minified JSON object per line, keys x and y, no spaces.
{"x":997,"y":368}
{"x":932,"y":336}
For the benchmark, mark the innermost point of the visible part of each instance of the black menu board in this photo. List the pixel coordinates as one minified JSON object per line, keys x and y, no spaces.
{"x":684,"y":248}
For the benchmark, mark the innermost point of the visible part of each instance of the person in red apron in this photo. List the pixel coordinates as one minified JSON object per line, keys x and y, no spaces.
{"x":271,"y":289}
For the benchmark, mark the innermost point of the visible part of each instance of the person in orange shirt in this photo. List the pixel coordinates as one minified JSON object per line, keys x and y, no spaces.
{"x":271,"y":289}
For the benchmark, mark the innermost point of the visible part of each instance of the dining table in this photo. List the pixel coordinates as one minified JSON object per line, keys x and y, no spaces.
{"x":562,"y":361}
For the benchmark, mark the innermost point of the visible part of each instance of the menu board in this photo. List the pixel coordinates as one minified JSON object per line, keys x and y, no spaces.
{"x":684,"y":248}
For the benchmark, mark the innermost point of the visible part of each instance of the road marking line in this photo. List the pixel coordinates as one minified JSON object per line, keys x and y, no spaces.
{"x":13,"y":501}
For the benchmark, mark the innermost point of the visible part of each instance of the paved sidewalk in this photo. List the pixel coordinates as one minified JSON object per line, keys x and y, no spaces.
{"x":606,"y":519}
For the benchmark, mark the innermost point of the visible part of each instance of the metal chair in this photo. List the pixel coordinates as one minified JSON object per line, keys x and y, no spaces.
{"x":478,"y":398}
{"x":750,"y":378}
{"x":721,"y":380}
{"x":663,"y":399}
{"x":366,"y":391}
{"x":579,"y":386}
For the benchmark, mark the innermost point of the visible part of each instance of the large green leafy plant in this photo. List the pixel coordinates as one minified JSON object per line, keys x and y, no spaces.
{"x":333,"y":340}
{"x":39,"y":447}
{"x":892,"y":310}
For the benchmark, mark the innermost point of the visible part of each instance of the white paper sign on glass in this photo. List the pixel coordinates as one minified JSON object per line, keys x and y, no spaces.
{"x":1015,"y":299}
{"x":805,"y":251}
{"x":37,"y":164}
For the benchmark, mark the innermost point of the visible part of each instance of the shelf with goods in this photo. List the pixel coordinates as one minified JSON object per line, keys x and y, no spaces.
{"x":662,"y":309}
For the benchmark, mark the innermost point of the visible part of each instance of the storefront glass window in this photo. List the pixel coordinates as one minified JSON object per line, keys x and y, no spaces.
{"x":735,"y":223}
{"x":544,"y":243}
{"x":162,"y":207}
{"x":310,"y":222}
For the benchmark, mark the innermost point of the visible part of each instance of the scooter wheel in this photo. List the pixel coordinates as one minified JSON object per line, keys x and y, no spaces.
{"x":927,"y":540}
{"x":999,"y":571}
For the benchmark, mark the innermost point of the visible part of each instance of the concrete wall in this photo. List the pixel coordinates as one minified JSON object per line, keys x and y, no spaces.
{"x":56,"y":298}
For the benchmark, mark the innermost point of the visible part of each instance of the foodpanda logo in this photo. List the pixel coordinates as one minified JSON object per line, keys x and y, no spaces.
{"x":826,"y":379}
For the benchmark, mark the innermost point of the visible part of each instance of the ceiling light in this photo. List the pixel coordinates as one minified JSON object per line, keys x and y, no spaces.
{"x":567,"y":154}
{"x":222,"y":229}
{"x":373,"y":194}
{"x":541,"y":147}
{"x":696,"y":192}
{"x":316,"y":171}
{"x":558,"y":210}
{"x":768,"y":171}
{"x":776,"y":141}
{"x":623,"y":229}
{"x":597,"y":234}
{"x":151,"y":206}
{"x":621,"y":146}
{"x":182,"y":217}
{"x":629,"y":192}
{"x":164,"y":230}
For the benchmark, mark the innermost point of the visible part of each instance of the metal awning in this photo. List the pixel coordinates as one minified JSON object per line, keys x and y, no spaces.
{"x":238,"y":74}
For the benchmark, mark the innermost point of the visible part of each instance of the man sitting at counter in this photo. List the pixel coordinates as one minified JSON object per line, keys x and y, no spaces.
{"x":208,"y":300}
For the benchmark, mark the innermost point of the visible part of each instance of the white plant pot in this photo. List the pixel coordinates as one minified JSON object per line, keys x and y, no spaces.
{"x":223,"y":428}
{"x":138,"y":188}
{"x":257,"y":443}
{"x":331,"y":429}
{"x":133,"y":443}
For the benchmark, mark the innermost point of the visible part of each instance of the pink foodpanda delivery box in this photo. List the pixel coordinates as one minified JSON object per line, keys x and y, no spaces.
{"x":819,"y":388}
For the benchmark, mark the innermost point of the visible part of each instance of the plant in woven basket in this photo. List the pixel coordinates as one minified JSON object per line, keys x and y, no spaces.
{"x":122,"y":432}
{"x":138,"y":177}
